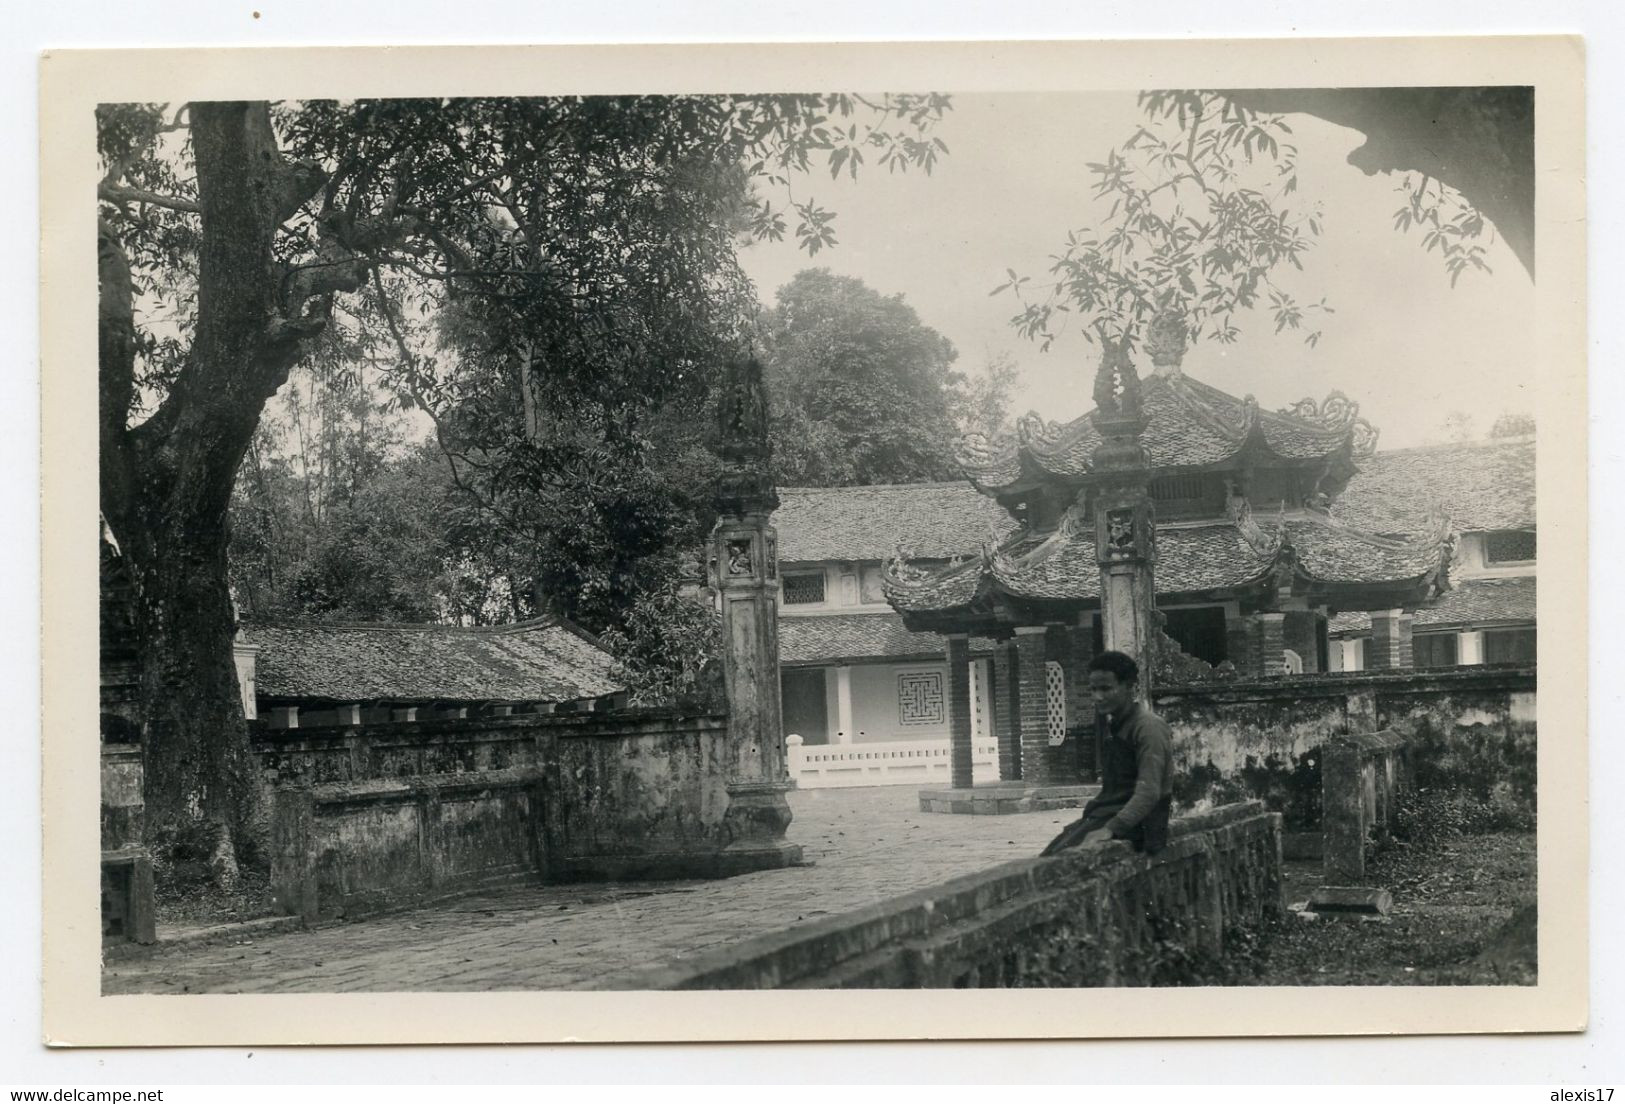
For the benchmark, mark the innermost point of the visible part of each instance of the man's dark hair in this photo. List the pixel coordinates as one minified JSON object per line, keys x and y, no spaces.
{"x":1118,"y":664}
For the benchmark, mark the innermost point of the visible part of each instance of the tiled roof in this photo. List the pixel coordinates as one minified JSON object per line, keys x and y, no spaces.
{"x":824,"y":638}
{"x":1188,"y":424}
{"x":1480,"y":484}
{"x":1190,"y":560}
{"x":1473,"y":601}
{"x":933,"y":521}
{"x":1334,"y":554}
{"x":547,"y":660}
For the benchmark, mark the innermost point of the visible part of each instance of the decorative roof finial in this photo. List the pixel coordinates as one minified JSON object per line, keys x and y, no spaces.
{"x":1165,"y":340}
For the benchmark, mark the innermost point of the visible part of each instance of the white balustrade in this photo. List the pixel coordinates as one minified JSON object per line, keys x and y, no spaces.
{"x":884,"y":763}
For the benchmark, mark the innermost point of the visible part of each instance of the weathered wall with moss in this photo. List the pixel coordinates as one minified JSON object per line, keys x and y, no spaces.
{"x":373,"y":816}
{"x":1081,"y":918}
{"x":1469,"y":729}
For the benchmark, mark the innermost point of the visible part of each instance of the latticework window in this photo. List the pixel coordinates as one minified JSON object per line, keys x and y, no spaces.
{"x":803,"y":590}
{"x":1168,"y":488}
{"x":1055,"y":701}
{"x":920,"y":700}
{"x":1509,"y":546}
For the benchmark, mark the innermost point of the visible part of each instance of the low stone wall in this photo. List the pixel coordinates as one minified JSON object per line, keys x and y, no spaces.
{"x":1362,"y":777}
{"x":1469,"y":729}
{"x":376,"y":816}
{"x":636,"y":795}
{"x":1082,"y":918}
{"x":350,"y":848}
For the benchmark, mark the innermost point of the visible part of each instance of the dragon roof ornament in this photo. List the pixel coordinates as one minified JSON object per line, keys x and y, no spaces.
{"x":977,"y":451}
{"x":1117,"y":385}
{"x":899,"y":570}
{"x":1038,"y":435}
{"x":1337,"y":414}
{"x":1263,"y":543}
{"x":1239,"y":423}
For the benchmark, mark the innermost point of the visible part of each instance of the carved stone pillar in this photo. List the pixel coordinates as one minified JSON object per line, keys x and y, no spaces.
{"x":744,"y":555}
{"x":1124,"y":520}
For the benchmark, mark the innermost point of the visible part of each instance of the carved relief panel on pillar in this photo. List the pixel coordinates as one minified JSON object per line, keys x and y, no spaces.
{"x":1125,"y":533}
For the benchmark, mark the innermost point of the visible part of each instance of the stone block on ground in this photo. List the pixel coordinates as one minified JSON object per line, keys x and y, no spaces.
{"x":127,"y":902}
{"x":1351,"y":901}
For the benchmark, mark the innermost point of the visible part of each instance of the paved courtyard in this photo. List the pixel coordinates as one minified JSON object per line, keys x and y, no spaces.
{"x":865,"y":845}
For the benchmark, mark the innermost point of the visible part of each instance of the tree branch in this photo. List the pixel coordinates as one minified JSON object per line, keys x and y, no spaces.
{"x":122,"y":194}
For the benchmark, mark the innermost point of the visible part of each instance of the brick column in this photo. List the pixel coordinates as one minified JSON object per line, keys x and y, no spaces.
{"x":1390,"y":646}
{"x":1271,"y":643}
{"x":1238,"y":644}
{"x":1006,"y":710}
{"x":959,"y":726}
{"x":1299,"y":634}
{"x":1080,"y":704}
{"x":1033,"y":710}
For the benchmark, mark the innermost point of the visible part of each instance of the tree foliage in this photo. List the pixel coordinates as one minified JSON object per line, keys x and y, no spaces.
{"x":551,"y":280}
{"x":862,"y":391}
{"x":1200,"y":220}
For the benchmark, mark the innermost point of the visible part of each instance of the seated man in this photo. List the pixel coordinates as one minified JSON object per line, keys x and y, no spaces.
{"x":1136,"y":767}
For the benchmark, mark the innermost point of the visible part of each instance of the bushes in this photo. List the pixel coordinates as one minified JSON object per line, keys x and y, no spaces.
{"x":1293,"y":791}
{"x":1424,"y":816}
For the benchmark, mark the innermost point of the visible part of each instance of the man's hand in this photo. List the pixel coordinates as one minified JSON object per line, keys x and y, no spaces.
{"x":1098,"y":838}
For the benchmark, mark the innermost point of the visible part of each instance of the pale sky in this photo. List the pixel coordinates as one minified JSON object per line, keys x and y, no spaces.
{"x":1403,"y":344}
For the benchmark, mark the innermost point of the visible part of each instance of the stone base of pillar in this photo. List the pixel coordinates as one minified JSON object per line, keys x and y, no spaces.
{"x":998,"y":798}
{"x":758,"y":816}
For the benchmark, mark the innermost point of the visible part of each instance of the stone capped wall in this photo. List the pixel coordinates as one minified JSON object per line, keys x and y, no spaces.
{"x":1082,"y":918}
{"x":375,"y":816}
{"x":1469,"y":729}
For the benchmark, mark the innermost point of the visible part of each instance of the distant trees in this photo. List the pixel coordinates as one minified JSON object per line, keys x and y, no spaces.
{"x":1513,"y":425}
{"x":864,"y":392}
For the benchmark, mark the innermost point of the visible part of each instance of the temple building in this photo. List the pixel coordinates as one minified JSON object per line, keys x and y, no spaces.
{"x":1249,"y":557}
{"x":1488,"y":616}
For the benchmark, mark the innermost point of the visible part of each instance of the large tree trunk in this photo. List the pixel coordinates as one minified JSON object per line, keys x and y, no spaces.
{"x":166,"y":483}
{"x":202,"y":786}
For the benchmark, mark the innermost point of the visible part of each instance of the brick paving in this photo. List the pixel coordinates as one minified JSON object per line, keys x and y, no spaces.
{"x":866,"y":845}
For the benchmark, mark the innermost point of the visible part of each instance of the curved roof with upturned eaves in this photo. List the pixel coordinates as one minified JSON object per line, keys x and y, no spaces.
{"x":1188,"y":425}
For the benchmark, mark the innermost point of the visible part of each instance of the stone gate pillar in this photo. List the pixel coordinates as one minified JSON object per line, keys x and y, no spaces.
{"x":744,"y":555}
{"x":1125,"y":524}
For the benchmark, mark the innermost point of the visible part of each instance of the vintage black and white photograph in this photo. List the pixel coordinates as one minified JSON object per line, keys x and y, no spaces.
{"x":936,"y":538}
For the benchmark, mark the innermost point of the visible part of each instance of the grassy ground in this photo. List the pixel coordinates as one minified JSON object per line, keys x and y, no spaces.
{"x":200,"y":904}
{"x":1463,"y":915}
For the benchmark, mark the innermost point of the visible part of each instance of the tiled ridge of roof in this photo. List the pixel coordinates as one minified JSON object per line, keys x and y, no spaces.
{"x":1471,"y":601}
{"x":548,"y":659}
{"x":1191,"y":558}
{"x":1188,"y":424}
{"x":935,"y":521}
{"x":1481,"y":485}
{"x":825,"y":638}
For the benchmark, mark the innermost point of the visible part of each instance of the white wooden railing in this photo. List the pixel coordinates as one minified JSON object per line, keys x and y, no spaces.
{"x":889,"y":763}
